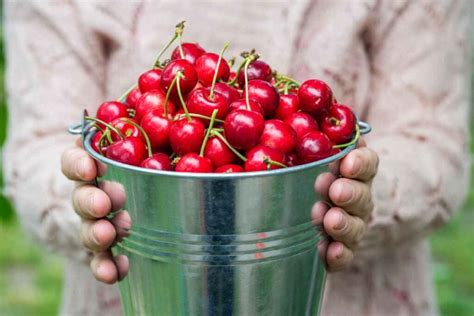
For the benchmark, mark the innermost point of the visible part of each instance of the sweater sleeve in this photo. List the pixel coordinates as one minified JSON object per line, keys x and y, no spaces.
{"x":419,"y":109}
{"x":55,"y":69}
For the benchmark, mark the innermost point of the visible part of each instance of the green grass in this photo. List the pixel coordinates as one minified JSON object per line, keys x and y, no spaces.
{"x":30,"y":281}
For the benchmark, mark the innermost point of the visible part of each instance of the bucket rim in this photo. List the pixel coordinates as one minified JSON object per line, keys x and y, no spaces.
{"x":87,"y":132}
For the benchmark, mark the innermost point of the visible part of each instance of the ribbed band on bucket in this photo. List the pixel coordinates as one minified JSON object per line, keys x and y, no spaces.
{"x":221,"y":249}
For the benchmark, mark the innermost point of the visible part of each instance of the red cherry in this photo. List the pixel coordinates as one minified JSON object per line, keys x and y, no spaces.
{"x":219,"y":153}
{"x":242,"y":105}
{"x":257,"y":70}
{"x":192,"y":51}
{"x":158,"y":161}
{"x":151,"y":100}
{"x":109,"y":111}
{"x":278,"y":135}
{"x":315,"y":96}
{"x":200,"y":102}
{"x":149,"y":80}
{"x":302,"y":123}
{"x":260,"y":157}
{"x":288,"y":105}
{"x":206,"y":67}
{"x":291,"y":160}
{"x":192,"y":162}
{"x":313,"y":146}
{"x":243,"y":128}
{"x":131,"y":151}
{"x":186,"y":137}
{"x":335,"y":151}
{"x":132,"y":98}
{"x":265,"y":94}
{"x":339,"y":124}
{"x":231,"y":168}
{"x":127,"y":129}
{"x":187,"y":82}
{"x":230,"y":93}
{"x":95,"y":143}
{"x":157,"y":128}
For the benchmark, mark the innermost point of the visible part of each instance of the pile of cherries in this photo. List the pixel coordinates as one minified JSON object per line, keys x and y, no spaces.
{"x":192,"y":113}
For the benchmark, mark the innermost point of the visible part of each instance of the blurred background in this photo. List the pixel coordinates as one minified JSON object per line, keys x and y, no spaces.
{"x":31,"y":278}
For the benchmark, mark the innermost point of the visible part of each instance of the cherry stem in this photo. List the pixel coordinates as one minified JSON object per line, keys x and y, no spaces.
{"x":178,"y":30}
{"x":270,"y":162}
{"x":241,"y":65}
{"x":98,"y":127}
{"x":104,"y":135}
{"x":208,"y":132}
{"x":126,"y":93}
{"x":168,"y":93}
{"x":231,"y":62}
{"x":287,"y":87}
{"x":179,"y":74}
{"x":214,"y":80}
{"x":201,"y":117}
{"x":352,"y":142}
{"x":115,"y":130}
{"x":142,"y":131}
{"x":280,"y":77}
{"x":179,"y":33}
{"x":222,"y":138}
{"x":247,"y":63}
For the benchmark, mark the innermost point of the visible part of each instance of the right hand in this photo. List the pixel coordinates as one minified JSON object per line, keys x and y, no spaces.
{"x":93,"y":204}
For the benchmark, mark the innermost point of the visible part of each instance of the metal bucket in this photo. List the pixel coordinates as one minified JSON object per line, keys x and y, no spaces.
{"x":220,"y":244}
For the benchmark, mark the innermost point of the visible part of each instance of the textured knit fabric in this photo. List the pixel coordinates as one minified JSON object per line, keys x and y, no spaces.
{"x":402,"y":65}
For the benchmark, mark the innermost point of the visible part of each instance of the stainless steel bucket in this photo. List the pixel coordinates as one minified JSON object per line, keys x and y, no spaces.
{"x":220,"y":244}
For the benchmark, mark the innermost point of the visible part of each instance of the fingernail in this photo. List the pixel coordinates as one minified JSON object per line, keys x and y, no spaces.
{"x":356,"y":165}
{"x":339,"y":251}
{"x":80,"y":168}
{"x":341,"y":222}
{"x":94,"y":235}
{"x":346,"y":191}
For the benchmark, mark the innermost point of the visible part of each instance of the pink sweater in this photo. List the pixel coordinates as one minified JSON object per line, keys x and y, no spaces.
{"x":403,"y":66}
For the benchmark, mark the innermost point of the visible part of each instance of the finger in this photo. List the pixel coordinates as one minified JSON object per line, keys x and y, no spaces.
{"x":322,"y":184}
{"x":101,"y":168}
{"x":90,"y":202}
{"x":97,"y":235}
{"x":79,"y":142}
{"x":361,"y":143}
{"x":323,"y":248}
{"x":122,"y":223}
{"x":116,"y":193}
{"x":344,"y":227}
{"x":360,"y":164}
{"x":121,"y":262}
{"x":104,"y":268}
{"x":318,"y":211}
{"x":338,"y":256}
{"x":353,"y":196}
{"x":77,"y":165}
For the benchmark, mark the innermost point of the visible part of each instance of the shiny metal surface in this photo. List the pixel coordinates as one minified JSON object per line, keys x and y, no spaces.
{"x":219,"y":244}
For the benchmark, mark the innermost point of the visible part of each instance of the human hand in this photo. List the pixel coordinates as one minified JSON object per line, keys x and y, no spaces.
{"x":345,"y":218}
{"x":93,"y":204}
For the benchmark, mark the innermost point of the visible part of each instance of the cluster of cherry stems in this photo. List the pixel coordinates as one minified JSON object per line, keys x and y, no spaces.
{"x":192,"y":113}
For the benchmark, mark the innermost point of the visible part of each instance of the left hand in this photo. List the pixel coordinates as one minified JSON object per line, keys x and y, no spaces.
{"x":345,"y":220}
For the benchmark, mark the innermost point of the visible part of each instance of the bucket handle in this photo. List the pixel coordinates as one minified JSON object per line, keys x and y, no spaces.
{"x":75,"y":129}
{"x":364,"y":127}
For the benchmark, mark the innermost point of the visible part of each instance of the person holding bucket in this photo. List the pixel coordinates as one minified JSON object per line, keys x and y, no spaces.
{"x":402,"y":65}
